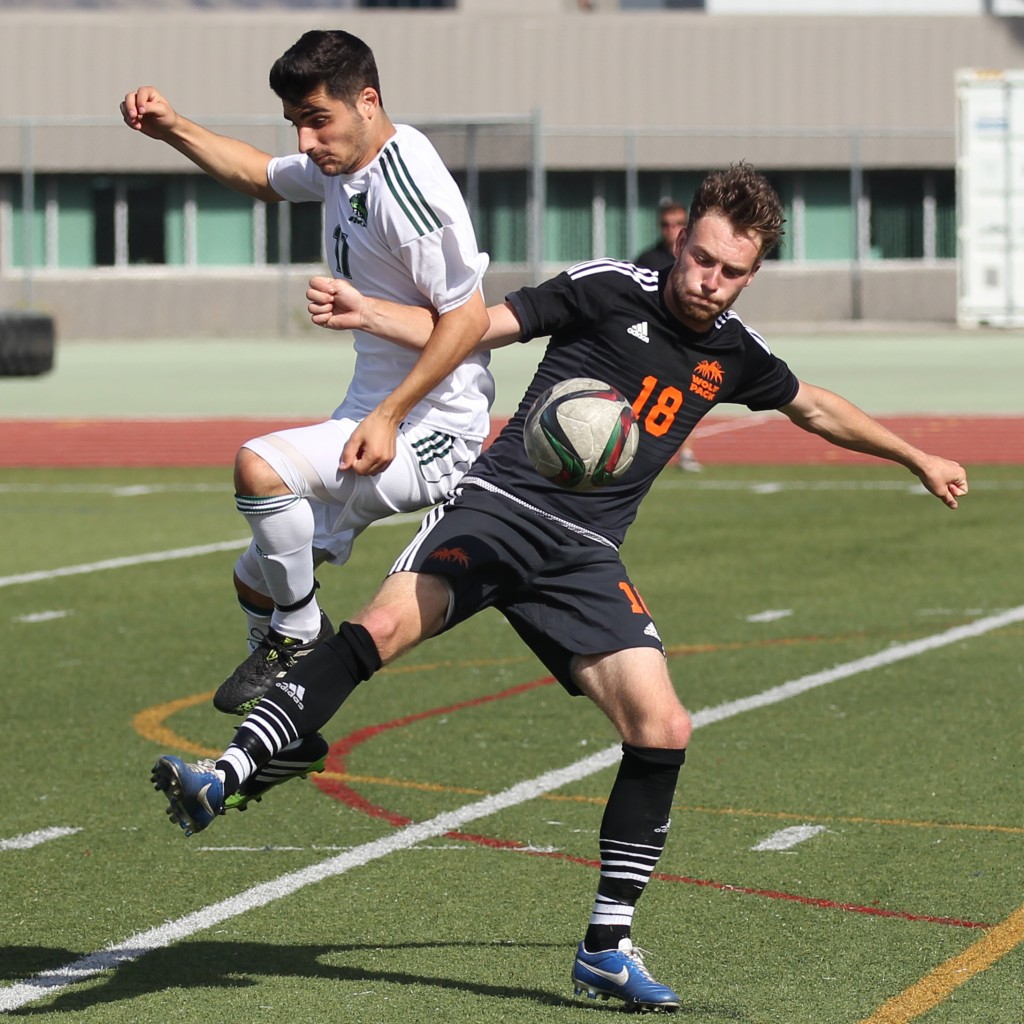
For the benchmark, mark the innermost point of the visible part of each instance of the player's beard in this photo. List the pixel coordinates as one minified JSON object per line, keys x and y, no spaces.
{"x":703,"y":312}
{"x":697,"y":313}
{"x":357,"y":153}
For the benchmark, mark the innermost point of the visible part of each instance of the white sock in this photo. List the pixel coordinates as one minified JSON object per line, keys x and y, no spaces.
{"x":282,"y":528}
{"x":256,"y":627}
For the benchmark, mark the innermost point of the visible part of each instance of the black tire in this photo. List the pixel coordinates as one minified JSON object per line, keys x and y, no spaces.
{"x":26,"y":344}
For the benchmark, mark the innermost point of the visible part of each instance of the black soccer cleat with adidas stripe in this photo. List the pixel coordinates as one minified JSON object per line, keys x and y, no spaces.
{"x":242,"y":690}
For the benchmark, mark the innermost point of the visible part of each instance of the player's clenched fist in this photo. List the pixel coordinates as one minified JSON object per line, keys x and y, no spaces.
{"x":146,"y":111}
{"x":335,"y":304}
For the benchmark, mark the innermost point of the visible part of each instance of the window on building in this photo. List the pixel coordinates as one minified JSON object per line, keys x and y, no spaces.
{"x":147,"y":207}
{"x":224,"y":235}
{"x":828,"y":219}
{"x":128,"y":221}
{"x":104,"y":200}
{"x":305,"y":232}
{"x":28,"y":241}
{"x":501,"y":224}
{"x":569,"y":217}
{"x":610,"y":203}
{"x":945,"y":214}
{"x":897,"y":214}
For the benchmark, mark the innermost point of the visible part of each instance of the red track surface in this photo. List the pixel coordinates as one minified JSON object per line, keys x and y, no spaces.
{"x":770,"y":440}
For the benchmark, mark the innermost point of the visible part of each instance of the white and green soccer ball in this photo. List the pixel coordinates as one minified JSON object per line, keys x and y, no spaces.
{"x":581,"y":433}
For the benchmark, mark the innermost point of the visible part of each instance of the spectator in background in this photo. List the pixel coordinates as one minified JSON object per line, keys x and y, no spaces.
{"x":671,"y":220}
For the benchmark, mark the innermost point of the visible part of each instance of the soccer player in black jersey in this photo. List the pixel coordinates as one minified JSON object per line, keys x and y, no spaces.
{"x":548,"y":558}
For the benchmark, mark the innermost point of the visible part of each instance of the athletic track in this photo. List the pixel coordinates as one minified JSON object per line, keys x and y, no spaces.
{"x":751,"y":440}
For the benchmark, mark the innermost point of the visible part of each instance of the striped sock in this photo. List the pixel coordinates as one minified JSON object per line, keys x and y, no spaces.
{"x":633,"y":833}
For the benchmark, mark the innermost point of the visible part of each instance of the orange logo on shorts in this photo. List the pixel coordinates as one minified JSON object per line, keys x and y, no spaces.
{"x":451,"y":555}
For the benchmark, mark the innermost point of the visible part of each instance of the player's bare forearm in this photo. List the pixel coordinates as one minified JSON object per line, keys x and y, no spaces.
{"x":337,"y":305}
{"x":454,"y":337}
{"x":841,"y":423}
{"x":503,"y":327}
{"x":230,"y":161}
{"x":233,"y":163}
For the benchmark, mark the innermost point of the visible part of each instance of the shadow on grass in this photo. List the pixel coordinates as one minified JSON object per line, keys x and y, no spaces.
{"x":237,"y":966}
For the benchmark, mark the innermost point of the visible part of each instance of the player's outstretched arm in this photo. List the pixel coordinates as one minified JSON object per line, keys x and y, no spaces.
{"x":232,"y":162}
{"x":338,"y":306}
{"x":832,"y":417}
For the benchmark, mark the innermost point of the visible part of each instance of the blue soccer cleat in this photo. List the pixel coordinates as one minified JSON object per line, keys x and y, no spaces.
{"x":621,"y":973}
{"x":296,"y":761}
{"x":195,"y":792}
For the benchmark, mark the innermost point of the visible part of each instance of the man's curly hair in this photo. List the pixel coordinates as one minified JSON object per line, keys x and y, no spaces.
{"x":745,"y":198}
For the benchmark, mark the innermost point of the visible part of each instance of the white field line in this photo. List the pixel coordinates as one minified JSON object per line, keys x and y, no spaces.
{"x":159,"y":556}
{"x":138,"y":945}
{"x":770,"y":615}
{"x":787,"y":838}
{"x":47,"y":616}
{"x":123,"y":563}
{"x":29,"y":839}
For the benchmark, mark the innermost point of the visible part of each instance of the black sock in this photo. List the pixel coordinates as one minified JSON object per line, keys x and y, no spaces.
{"x":633,"y":833}
{"x":309,"y":694}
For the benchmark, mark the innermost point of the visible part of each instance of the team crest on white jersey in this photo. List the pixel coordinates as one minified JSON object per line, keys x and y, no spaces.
{"x":358,"y":203}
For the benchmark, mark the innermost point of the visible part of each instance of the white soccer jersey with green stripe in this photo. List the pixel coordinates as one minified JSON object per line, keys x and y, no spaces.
{"x":399,"y":229}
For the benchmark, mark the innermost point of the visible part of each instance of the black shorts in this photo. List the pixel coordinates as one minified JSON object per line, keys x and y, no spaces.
{"x":564,"y":592}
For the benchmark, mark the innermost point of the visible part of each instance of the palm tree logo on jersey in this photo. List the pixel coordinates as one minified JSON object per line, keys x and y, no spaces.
{"x":710,"y":369}
{"x":707,"y":378}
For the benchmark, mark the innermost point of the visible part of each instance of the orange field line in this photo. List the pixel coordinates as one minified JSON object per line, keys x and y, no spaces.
{"x":937,"y":985}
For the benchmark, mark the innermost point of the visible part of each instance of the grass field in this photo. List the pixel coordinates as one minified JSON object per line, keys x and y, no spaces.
{"x":845,"y":849}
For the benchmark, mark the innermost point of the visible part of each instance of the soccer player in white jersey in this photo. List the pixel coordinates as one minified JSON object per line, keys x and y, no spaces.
{"x":412,"y":421}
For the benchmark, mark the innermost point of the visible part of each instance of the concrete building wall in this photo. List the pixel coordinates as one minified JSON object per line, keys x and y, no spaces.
{"x":783,"y":91}
{"x":647,"y":69}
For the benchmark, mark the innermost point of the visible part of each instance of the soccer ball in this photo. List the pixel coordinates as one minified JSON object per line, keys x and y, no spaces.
{"x":581,"y":433}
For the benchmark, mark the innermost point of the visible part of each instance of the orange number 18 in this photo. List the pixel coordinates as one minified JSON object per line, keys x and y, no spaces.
{"x":663,"y":412}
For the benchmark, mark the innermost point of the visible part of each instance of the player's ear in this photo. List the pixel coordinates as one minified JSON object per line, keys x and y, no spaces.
{"x":368,"y":102}
{"x":677,"y":245}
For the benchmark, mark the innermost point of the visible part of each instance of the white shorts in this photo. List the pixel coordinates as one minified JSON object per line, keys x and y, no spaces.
{"x":427,"y":465}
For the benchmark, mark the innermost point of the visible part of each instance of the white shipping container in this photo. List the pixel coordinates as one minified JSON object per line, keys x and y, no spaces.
{"x":990,"y":197}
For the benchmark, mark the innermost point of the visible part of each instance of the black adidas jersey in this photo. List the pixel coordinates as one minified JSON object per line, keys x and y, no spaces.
{"x":608,"y":320}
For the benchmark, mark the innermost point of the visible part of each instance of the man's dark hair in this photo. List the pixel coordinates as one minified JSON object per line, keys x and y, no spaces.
{"x":746,"y":199}
{"x":339,"y":61}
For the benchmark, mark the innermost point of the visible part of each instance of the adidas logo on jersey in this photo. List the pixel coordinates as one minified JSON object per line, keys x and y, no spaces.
{"x":640,"y":331}
{"x":651,"y":630}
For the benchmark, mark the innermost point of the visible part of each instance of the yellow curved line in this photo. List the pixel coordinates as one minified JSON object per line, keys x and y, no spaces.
{"x":149,"y":724}
{"x":935,"y":986}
